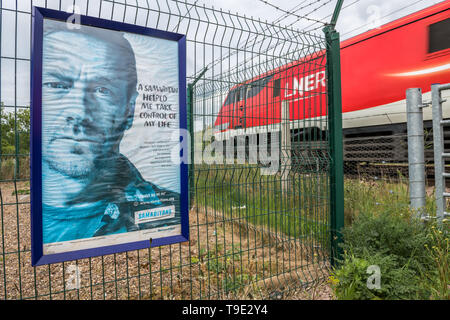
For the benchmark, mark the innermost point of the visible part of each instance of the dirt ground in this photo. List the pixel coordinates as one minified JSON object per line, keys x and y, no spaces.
{"x":226,"y":258}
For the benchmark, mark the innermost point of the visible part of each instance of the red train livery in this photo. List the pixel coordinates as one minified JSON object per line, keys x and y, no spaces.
{"x":378,"y":67}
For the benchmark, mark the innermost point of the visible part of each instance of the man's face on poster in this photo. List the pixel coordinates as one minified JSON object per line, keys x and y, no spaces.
{"x":87,"y":102}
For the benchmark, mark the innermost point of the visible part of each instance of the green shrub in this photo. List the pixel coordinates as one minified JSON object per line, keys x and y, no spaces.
{"x":390,"y":233}
{"x":350,"y":281}
{"x":438,"y":279}
{"x":397,"y":243}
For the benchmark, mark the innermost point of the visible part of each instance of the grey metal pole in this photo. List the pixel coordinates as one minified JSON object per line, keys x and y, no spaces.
{"x":438,"y":146}
{"x":286,"y":152}
{"x":416,"y":157}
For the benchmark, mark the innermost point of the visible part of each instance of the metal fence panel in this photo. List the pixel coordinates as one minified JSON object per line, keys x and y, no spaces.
{"x":254,"y":230}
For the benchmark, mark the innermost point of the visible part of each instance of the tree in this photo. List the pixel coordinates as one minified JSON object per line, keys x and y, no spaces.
{"x":15,"y":131}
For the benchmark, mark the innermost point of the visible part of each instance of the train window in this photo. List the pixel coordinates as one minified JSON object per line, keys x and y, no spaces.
{"x":276,"y":87}
{"x":242,"y":93}
{"x":257,"y":86}
{"x":266,"y":80}
{"x":252,"y":90}
{"x":439,"y":36}
{"x":230,"y":98}
{"x":238,"y":94}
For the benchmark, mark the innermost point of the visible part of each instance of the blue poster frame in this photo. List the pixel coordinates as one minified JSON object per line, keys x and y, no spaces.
{"x":37,"y":255}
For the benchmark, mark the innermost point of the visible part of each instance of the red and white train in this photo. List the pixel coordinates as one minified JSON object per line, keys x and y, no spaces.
{"x":377,"y":66}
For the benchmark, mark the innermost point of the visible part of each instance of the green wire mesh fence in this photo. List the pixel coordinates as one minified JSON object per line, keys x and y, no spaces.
{"x":254,"y":230}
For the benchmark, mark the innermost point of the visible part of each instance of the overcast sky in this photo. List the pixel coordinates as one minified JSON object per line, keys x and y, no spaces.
{"x":357,"y":16}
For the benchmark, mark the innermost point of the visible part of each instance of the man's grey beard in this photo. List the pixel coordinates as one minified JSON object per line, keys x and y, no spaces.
{"x":72,"y":169}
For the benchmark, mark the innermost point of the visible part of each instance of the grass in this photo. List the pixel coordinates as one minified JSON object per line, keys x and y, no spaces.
{"x":382,"y":229}
{"x":9,"y":170}
{"x":377,"y":196}
{"x":295,"y":206}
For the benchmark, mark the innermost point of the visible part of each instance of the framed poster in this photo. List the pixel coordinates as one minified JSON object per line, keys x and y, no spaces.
{"x":107,"y":112}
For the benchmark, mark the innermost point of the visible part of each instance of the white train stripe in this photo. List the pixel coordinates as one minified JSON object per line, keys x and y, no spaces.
{"x":423,"y":71}
{"x":391,"y":113}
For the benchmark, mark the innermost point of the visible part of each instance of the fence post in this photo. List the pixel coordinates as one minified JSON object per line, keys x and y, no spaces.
{"x":416,"y":157}
{"x":335,"y":140}
{"x":439,"y":151}
{"x":286,"y":152}
{"x":190,"y":127}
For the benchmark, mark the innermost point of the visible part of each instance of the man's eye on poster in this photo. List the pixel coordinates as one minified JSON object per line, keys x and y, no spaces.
{"x":110,"y":105}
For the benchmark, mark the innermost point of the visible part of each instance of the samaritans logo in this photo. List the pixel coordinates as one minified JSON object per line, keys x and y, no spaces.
{"x":154,"y":214}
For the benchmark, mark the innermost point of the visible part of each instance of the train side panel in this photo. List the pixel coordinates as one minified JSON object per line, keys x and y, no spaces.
{"x":377,"y":69}
{"x":377,"y":72}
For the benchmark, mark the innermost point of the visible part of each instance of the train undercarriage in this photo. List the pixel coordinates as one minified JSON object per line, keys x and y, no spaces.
{"x":376,"y":152}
